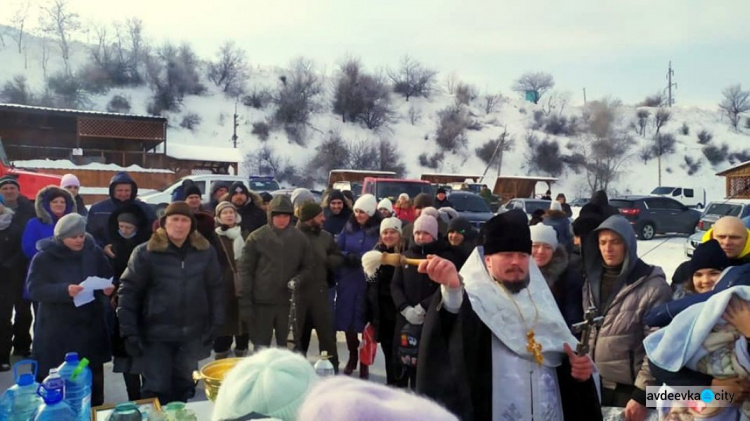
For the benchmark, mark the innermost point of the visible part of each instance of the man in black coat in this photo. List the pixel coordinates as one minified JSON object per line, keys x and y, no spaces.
{"x":249,"y":206}
{"x":493,"y":334}
{"x":171,"y":305}
{"x":14,"y":266}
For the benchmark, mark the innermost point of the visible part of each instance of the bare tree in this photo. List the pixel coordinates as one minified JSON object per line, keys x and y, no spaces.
{"x":643,"y":117}
{"x":58,"y":20}
{"x":347,"y":98}
{"x":735,"y":102}
{"x":295,"y":98}
{"x":18,"y":21}
{"x":415,"y":115}
{"x":44,"y":59}
{"x":661,"y":118}
{"x":451,"y":80}
{"x":465,"y":93}
{"x":229,"y":71}
{"x":555,"y":103}
{"x":603,"y":149}
{"x":491,"y":101}
{"x":491,"y":152}
{"x":412,"y":79}
{"x":538,"y":82}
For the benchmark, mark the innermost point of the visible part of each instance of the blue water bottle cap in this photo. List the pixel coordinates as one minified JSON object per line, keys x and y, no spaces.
{"x":52,"y":390}
{"x":71,"y":357}
{"x":23,"y":379}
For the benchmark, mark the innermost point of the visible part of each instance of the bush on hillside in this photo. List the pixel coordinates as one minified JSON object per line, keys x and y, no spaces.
{"x":655,"y":100}
{"x":685,"y":130}
{"x":17,"y":91}
{"x":692,"y":165}
{"x":704,"y":137}
{"x":716,"y":155}
{"x":465,"y":93}
{"x":431,"y":161}
{"x":262,"y":130}
{"x":190,"y":121}
{"x":544,"y":155}
{"x":739,"y":157}
{"x":68,"y":91}
{"x":451,"y":131}
{"x":257,"y":98}
{"x":119,"y":104}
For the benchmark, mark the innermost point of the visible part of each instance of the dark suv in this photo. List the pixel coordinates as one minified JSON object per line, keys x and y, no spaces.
{"x":656,"y":215}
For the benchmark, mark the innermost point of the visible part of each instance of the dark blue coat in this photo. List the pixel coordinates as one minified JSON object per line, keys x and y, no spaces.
{"x":62,"y":327}
{"x":98,"y":219}
{"x":43,"y":225}
{"x":561,"y":224}
{"x":351,"y":285}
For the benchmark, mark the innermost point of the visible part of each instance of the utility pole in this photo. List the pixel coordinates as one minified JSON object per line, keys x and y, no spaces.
{"x":670,"y":84}
{"x":235,"y":124}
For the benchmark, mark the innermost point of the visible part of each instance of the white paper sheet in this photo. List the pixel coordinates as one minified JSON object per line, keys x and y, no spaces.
{"x":90,"y":284}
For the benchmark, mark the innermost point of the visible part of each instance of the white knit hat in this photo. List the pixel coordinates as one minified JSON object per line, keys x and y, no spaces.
{"x":391,"y":223}
{"x":367,"y":203}
{"x":386,"y":204}
{"x":403,"y":196}
{"x":541,"y":233}
{"x":555,"y":205}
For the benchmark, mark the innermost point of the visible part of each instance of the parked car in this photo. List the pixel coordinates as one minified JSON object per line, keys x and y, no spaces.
{"x":652,"y":215}
{"x":715,"y":210}
{"x":161,"y":199}
{"x":690,"y":196}
{"x":471,"y":206}
{"x":526,"y":205}
{"x":261,"y":183}
{"x":391,"y":188}
{"x":288,"y":192}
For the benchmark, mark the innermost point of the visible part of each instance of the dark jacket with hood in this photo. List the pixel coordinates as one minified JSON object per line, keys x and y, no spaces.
{"x":561,"y":223}
{"x":81,"y":207}
{"x":252,"y":213}
{"x":270,"y":259}
{"x":445,"y":203}
{"x":334,"y":224}
{"x":463,"y":227}
{"x":211,"y":207}
{"x":617,"y":346}
{"x":565,"y":280}
{"x":43,"y":225}
{"x":99,"y":213}
{"x":60,"y":326}
{"x":326,"y":258}
{"x":170,"y":293}
{"x":123,"y":247}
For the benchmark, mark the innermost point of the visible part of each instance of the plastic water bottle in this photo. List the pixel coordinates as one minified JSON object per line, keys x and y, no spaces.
{"x":323,"y":366}
{"x":78,"y":379}
{"x":176,"y":411}
{"x":52,"y":391}
{"x":20,"y":402}
{"x":127,"y":411}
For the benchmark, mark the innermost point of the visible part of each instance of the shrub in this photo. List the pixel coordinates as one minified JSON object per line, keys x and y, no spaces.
{"x":691,"y":165}
{"x":716,"y":155}
{"x":561,"y":125}
{"x":685,"y":130}
{"x":451,"y":131}
{"x":17,"y":91}
{"x":739,"y":157}
{"x":261,"y":129}
{"x":704,"y":137}
{"x":119,"y":104}
{"x":69,"y":91}
{"x":431,"y":161}
{"x":465,"y":93}
{"x":257,"y":98}
{"x":655,"y":100}
{"x":544,"y":155}
{"x":190,"y":121}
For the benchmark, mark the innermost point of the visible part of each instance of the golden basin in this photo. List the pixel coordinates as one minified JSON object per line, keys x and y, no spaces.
{"x":213,"y":374}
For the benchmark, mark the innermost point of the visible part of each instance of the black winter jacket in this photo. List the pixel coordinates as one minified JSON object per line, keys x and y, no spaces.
{"x":410,"y":287}
{"x":171,"y":294}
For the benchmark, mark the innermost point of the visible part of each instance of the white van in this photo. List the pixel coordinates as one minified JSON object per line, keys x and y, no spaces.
{"x":161,"y":199}
{"x":689,"y":196}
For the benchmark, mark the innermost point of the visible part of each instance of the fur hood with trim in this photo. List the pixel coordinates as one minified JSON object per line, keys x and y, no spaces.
{"x":159,"y":241}
{"x":41,"y":204}
{"x":253,"y":196}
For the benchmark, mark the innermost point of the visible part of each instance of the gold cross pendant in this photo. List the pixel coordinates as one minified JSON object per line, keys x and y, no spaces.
{"x":534,"y":347}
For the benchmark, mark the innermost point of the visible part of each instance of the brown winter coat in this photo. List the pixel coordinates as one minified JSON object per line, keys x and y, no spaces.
{"x":229,"y":266}
{"x":617,"y":347}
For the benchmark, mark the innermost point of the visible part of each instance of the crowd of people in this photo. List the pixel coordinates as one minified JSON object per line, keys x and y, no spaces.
{"x":477,"y":314}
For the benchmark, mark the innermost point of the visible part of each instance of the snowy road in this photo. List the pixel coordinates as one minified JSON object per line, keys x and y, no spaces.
{"x":667,"y":251}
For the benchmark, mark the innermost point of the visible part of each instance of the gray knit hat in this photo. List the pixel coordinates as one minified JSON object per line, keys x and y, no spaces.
{"x":70,"y":225}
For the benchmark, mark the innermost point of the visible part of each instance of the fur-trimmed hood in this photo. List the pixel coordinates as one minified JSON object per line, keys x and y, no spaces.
{"x":555,"y":214}
{"x":556,"y":266}
{"x":253,"y":196}
{"x":159,"y":241}
{"x":41,"y":204}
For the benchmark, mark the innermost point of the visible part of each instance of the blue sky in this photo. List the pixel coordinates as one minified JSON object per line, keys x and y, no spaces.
{"x":611,"y":48}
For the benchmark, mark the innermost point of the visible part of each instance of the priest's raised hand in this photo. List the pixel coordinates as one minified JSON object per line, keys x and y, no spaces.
{"x":440,"y":270}
{"x":581,"y":366}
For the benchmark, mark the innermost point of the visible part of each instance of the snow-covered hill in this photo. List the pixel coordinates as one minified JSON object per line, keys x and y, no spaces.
{"x":513,"y":113}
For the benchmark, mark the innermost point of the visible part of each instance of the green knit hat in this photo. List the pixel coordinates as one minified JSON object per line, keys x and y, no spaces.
{"x":309,"y":210}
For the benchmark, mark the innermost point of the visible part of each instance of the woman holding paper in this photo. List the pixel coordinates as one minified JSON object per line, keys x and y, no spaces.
{"x":65,"y":323}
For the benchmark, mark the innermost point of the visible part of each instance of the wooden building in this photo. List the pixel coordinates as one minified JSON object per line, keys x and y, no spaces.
{"x":510,"y":187}
{"x":737,"y":181}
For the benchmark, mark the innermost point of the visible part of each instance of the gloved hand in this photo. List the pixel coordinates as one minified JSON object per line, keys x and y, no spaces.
{"x":293,"y":283}
{"x":414,"y":315}
{"x":353,"y":260}
{"x":134,"y":346}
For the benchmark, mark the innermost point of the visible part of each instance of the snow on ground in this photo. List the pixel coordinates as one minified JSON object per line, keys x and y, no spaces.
{"x":667,"y":251}
{"x":64,"y":164}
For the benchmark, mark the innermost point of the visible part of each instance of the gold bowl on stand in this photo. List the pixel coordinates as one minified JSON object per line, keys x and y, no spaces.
{"x":213,"y":374}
